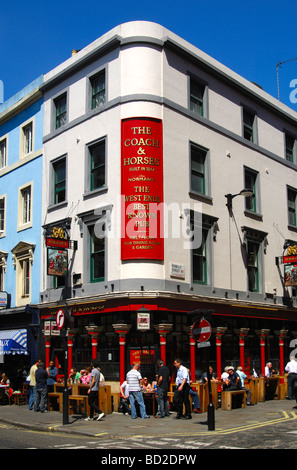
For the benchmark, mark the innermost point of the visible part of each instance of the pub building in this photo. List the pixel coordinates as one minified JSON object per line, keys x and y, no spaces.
{"x":148,"y":142}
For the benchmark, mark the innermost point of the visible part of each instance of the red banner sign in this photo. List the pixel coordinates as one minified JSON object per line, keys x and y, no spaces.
{"x":142,"y":189}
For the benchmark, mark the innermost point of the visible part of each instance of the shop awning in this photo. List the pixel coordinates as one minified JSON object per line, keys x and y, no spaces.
{"x":13,"y":342}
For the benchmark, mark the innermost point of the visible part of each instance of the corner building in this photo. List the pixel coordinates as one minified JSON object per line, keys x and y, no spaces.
{"x":145,"y":136}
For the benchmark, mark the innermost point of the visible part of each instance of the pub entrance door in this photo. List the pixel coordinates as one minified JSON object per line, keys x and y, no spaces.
{"x":146,"y":356}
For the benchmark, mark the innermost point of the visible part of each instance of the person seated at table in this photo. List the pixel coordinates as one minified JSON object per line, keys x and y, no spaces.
{"x":243,"y":376}
{"x":204,"y":378}
{"x":146,"y":386}
{"x":85,"y":376}
{"x":225,"y":374}
{"x":73,"y":376}
{"x":4,"y":380}
{"x":233,"y":381}
{"x":268,"y":370}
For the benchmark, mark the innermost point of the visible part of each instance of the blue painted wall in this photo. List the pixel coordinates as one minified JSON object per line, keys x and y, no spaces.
{"x":16,"y":177}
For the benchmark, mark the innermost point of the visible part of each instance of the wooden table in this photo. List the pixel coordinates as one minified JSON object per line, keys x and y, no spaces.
{"x":253,"y":384}
{"x":79,"y":390}
{"x":269,"y":388}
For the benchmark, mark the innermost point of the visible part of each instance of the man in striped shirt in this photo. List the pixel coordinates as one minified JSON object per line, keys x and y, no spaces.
{"x":134,"y":380}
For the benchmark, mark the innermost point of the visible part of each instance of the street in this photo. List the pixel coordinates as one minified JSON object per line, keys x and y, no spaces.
{"x":279,"y":433}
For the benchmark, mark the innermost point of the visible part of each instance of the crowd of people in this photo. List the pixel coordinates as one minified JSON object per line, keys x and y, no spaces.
{"x":136,"y":388}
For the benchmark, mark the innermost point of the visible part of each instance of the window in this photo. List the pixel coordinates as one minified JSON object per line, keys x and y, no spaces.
{"x":22,"y":255}
{"x":3,"y":261}
{"x":25,"y":287}
{"x":25,"y":206}
{"x":60,"y":111}
{"x":290,"y":148}
{"x":249,"y":125}
{"x":198,"y":169}
{"x":2,"y":215}
{"x":97,"y":165}
{"x":97,"y":256}
{"x":252,"y":270}
{"x":3,"y":153}
{"x":203,"y":227}
{"x":292,"y":198}
{"x":199,"y":261}
{"x":251,"y":182}
{"x":98,"y":90}
{"x":28,"y":138}
{"x":255,"y":243}
{"x":59,"y":168}
{"x":197,"y":97}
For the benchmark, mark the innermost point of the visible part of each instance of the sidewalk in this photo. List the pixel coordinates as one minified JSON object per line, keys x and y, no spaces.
{"x":115,"y":424}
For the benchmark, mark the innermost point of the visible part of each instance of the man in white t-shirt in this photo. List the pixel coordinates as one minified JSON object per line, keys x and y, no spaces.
{"x":291,"y":368}
{"x":134,"y":380}
{"x":124,"y":391}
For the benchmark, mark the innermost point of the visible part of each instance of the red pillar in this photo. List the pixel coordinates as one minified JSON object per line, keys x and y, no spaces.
{"x":242,"y":332}
{"x":47,"y":352}
{"x":122,"y":329}
{"x":281,"y":334}
{"x":163,"y":330}
{"x":70,"y":351}
{"x":94,"y":332}
{"x":193,"y":356}
{"x":219,"y":331}
{"x":262,"y":333}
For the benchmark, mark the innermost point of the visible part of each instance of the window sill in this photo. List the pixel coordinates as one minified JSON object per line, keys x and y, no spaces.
{"x":95,"y":192}
{"x":254,"y":215}
{"x":57,"y":206}
{"x":201,"y":197}
{"x":292,"y":227}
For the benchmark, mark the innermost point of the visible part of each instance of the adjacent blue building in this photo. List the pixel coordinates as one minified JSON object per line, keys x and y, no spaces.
{"x":21,"y":158}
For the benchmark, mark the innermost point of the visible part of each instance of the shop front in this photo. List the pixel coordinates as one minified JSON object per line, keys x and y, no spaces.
{"x":19,"y":342}
{"x":119,"y":332}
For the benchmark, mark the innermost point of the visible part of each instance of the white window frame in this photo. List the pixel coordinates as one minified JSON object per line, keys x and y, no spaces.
{"x":3,"y":230}
{"x":22,"y":255}
{"x":23,"y":150}
{"x":3,"y":262}
{"x":25,"y":222}
{"x":3,"y":144}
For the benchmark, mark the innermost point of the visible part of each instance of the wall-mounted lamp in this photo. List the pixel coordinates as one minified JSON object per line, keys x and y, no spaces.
{"x":244,"y":192}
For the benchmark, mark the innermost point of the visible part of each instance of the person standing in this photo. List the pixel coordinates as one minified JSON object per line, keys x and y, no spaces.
{"x":162,"y":389}
{"x":40,"y":402}
{"x":93,"y":393}
{"x":124,"y":395}
{"x":134,"y":380}
{"x":52,"y":376}
{"x":181,"y":394}
{"x":291,"y":368}
{"x":243,"y":376}
{"x":32,"y":384}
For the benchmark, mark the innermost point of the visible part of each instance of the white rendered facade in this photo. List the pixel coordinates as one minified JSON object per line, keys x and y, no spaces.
{"x":147,"y":71}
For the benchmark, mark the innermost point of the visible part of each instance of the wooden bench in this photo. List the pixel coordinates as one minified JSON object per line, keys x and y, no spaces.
{"x":55,"y":399}
{"x":78,"y":402}
{"x":228,"y":399}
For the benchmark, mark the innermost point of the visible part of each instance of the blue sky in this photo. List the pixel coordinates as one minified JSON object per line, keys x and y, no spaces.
{"x":250,"y":36}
